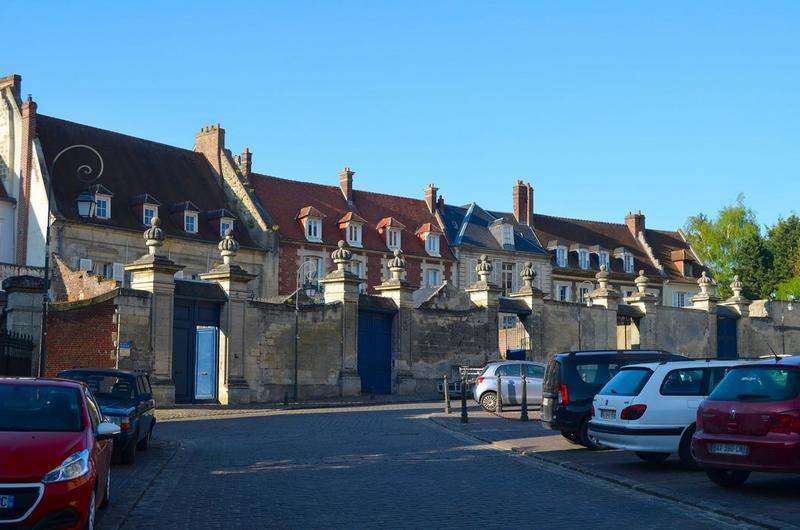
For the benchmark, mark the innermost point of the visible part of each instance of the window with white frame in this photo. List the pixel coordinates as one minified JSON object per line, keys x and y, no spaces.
{"x":224,"y":224}
{"x":561,"y":256}
{"x":507,"y":278}
{"x":432,"y":278}
{"x":102,"y":208}
{"x":148,"y":212}
{"x":354,"y":234}
{"x":680,"y":299}
{"x":604,"y":259}
{"x":115,"y":271}
{"x":563,"y":293}
{"x":583,"y":258}
{"x":508,"y":235}
{"x":190,"y":222}
{"x":432,"y":244}
{"x":627,"y":261}
{"x":393,"y":238}
{"x":313,"y":229}
{"x":312,"y":273}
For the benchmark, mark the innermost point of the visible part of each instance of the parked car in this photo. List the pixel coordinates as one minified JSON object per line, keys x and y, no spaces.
{"x":751,"y":422}
{"x":55,"y":454}
{"x":650,"y":409}
{"x":571,"y":380}
{"x":485,"y":388}
{"x":126,"y":399}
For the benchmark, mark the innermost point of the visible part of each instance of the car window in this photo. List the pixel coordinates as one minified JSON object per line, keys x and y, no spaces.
{"x":94,"y":411}
{"x":535,"y":371}
{"x":715,"y":376}
{"x":763,"y":383}
{"x":147,"y":388}
{"x":507,"y":370}
{"x":597,"y":373}
{"x":107,"y":386}
{"x":140,"y":385}
{"x":627,"y":382}
{"x":40,"y":408}
{"x":683,"y":382}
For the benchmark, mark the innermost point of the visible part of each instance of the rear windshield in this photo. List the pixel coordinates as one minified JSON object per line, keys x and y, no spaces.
{"x":40,"y":408}
{"x":764,"y":383}
{"x":627,"y":382}
{"x":107,"y":386}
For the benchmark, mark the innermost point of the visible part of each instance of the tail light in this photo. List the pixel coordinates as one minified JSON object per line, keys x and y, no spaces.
{"x":786,"y":422}
{"x":479,"y":380}
{"x":564,"y":392}
{"x":633,"y":412}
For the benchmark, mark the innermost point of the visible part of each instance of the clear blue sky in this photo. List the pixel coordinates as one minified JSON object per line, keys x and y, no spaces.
{"x":671,"y":107}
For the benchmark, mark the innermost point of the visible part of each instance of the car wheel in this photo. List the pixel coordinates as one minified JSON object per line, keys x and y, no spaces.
{"x":489,"y":401}
{"x":92,"y":509}
{"x":129,"y":451}
{"x":652,"y":458}
{"x":107,"y":491}
{"x":727,"y":478}
{"x":144,"y":443}
{"x":585,"y":440}
{"x":571,"y":437}
{"x":685,"y":450}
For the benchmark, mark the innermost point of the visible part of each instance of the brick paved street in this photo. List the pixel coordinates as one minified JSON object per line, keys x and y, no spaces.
{"x":385,"y":466}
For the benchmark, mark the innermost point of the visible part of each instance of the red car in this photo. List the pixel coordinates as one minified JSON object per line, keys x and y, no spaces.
{"x":751,"y":422}
{"x":55,"y":454}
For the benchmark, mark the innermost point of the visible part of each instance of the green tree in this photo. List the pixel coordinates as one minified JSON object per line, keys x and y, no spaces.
{"x":783,"y":240}
{"x":718,"y":241}
{"x":752,"y":261}
{"x":790,"y":286}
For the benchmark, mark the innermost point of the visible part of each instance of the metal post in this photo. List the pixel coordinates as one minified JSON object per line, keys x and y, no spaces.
{"x":464,"y":417}
{"x":499,"y":407}
{"x":446,"y":396}
{"x":523,"y":415}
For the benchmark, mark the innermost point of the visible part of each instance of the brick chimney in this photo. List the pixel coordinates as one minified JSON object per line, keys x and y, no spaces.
{"x":346,"y":184}
{"x":635,"y":222}
{"x":24,"y":204}
{"x":523,"y":202}
{"x":247,"y":162}
{"x":210,"y":141}
{"x":430,"y":197}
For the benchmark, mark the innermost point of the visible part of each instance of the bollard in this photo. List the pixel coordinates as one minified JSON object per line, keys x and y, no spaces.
{"x":464,"y":417}
{"x":499,"y":407}
{"x":523,"y":415}
{"x":446,"y":396}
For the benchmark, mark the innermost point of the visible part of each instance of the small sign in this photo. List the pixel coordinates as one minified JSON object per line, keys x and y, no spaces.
{"x":125,"y":348}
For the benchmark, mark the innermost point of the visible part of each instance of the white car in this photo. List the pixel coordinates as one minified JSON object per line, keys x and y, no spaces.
{"x":651,"y":408}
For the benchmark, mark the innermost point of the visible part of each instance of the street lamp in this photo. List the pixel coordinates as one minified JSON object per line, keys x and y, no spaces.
{"x":86,"y":175}
{"x":86,"y":204}
{"x":309,"y":288}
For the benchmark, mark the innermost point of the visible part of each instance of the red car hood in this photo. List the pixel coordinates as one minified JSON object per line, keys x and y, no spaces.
{"x":28,"y":456}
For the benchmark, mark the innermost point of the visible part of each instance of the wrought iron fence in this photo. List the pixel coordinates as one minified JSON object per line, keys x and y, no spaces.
{"x":16,"y":354}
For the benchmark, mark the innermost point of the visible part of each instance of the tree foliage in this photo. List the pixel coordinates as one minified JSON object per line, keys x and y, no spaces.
{"x":783,"y":239}
{"x":752,"y":261}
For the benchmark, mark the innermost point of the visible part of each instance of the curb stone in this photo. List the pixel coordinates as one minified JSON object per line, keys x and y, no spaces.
{"x":762,"y":520}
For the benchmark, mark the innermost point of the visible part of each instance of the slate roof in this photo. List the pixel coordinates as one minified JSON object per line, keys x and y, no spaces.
{"x":469,"y":225}
{"x":133,"y":168}
{"x":283,"y":199}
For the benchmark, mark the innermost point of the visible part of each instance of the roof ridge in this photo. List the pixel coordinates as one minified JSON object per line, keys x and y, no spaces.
{"x":117,"y":133}
{"x":579,"y":220}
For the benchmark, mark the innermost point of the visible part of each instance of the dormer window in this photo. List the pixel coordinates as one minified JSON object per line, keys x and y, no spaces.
{"x":311,"y":218}
{"x":627,"y":261}
{"x":603,"y":258}
{"x":190,"y":222}
{"x":353,"y":226}
{"x":148,"y":212}
{"x":224,"y":224}
{"x":431,"y":235}
{"x":432,"y":244}
{"x":354,"y":234}
{"x":583,"y":258}
{"x":102,"y":209}
{"x":561,"y":256}
{"x":392,"y":229}
{"x":393,"y":238}
{"x":508,"y":235}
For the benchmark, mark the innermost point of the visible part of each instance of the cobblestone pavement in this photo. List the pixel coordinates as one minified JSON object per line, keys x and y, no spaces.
{"x":368,"y":467}
{"x":767,"y":499}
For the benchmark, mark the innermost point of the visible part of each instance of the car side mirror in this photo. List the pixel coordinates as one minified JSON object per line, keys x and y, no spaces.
{"x":107,"y":430}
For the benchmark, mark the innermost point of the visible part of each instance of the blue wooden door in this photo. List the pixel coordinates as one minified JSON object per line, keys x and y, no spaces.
{"x":375,"y":352}
{"x":205,"y":373}
{"x":726,"y":338}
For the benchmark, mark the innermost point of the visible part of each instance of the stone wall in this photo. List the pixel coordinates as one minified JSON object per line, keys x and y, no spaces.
{"x":567,"y":326}
{"x":686,"y":331}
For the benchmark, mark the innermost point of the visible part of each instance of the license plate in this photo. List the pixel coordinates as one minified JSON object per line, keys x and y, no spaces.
{"x":608,"y":414}
{"x":728,"y":449}
{"x":6,"y":501}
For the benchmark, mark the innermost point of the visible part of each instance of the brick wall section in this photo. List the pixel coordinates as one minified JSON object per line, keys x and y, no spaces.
{"x":24,"y":203}
{"x":81,"y":338}
{"x":287,"y":268}
{"x":413,"y":271}
{"x":374,"y":271}
{"x":69,"y":285}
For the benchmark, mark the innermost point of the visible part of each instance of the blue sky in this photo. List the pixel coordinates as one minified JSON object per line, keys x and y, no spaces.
{"x":668,"y":107}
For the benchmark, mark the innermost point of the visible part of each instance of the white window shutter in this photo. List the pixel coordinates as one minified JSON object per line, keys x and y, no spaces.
{"x":497,"y":266}
{"x":85,"y":264}
{"x":472,"y":273}
{"x":118,"y":272}
{"x":515,"y":281}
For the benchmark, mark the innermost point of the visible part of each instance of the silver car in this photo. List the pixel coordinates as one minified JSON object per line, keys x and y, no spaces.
{"x":485,"y":388}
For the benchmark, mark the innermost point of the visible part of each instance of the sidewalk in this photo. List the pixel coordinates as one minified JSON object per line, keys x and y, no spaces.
{"x":766,"y":500}
{"x":179,"y":412}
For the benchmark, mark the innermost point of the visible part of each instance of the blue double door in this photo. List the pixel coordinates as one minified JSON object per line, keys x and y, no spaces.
{"x":195,"y":357}
{"x":375,"y":352}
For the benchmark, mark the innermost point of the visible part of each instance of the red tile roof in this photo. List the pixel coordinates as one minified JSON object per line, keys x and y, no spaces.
{"x":282,"y":199}
{"x":390,"y":222}
{"x":310,"y":211}
{"x":429,"y":228}
{"x":350,"y":216}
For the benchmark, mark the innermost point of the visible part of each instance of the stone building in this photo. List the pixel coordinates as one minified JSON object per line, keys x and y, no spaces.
{"x":311,"y":218}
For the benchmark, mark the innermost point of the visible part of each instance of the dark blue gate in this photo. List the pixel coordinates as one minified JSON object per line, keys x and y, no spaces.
{"x":726,"y":338}
{"x":375,"y":352}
